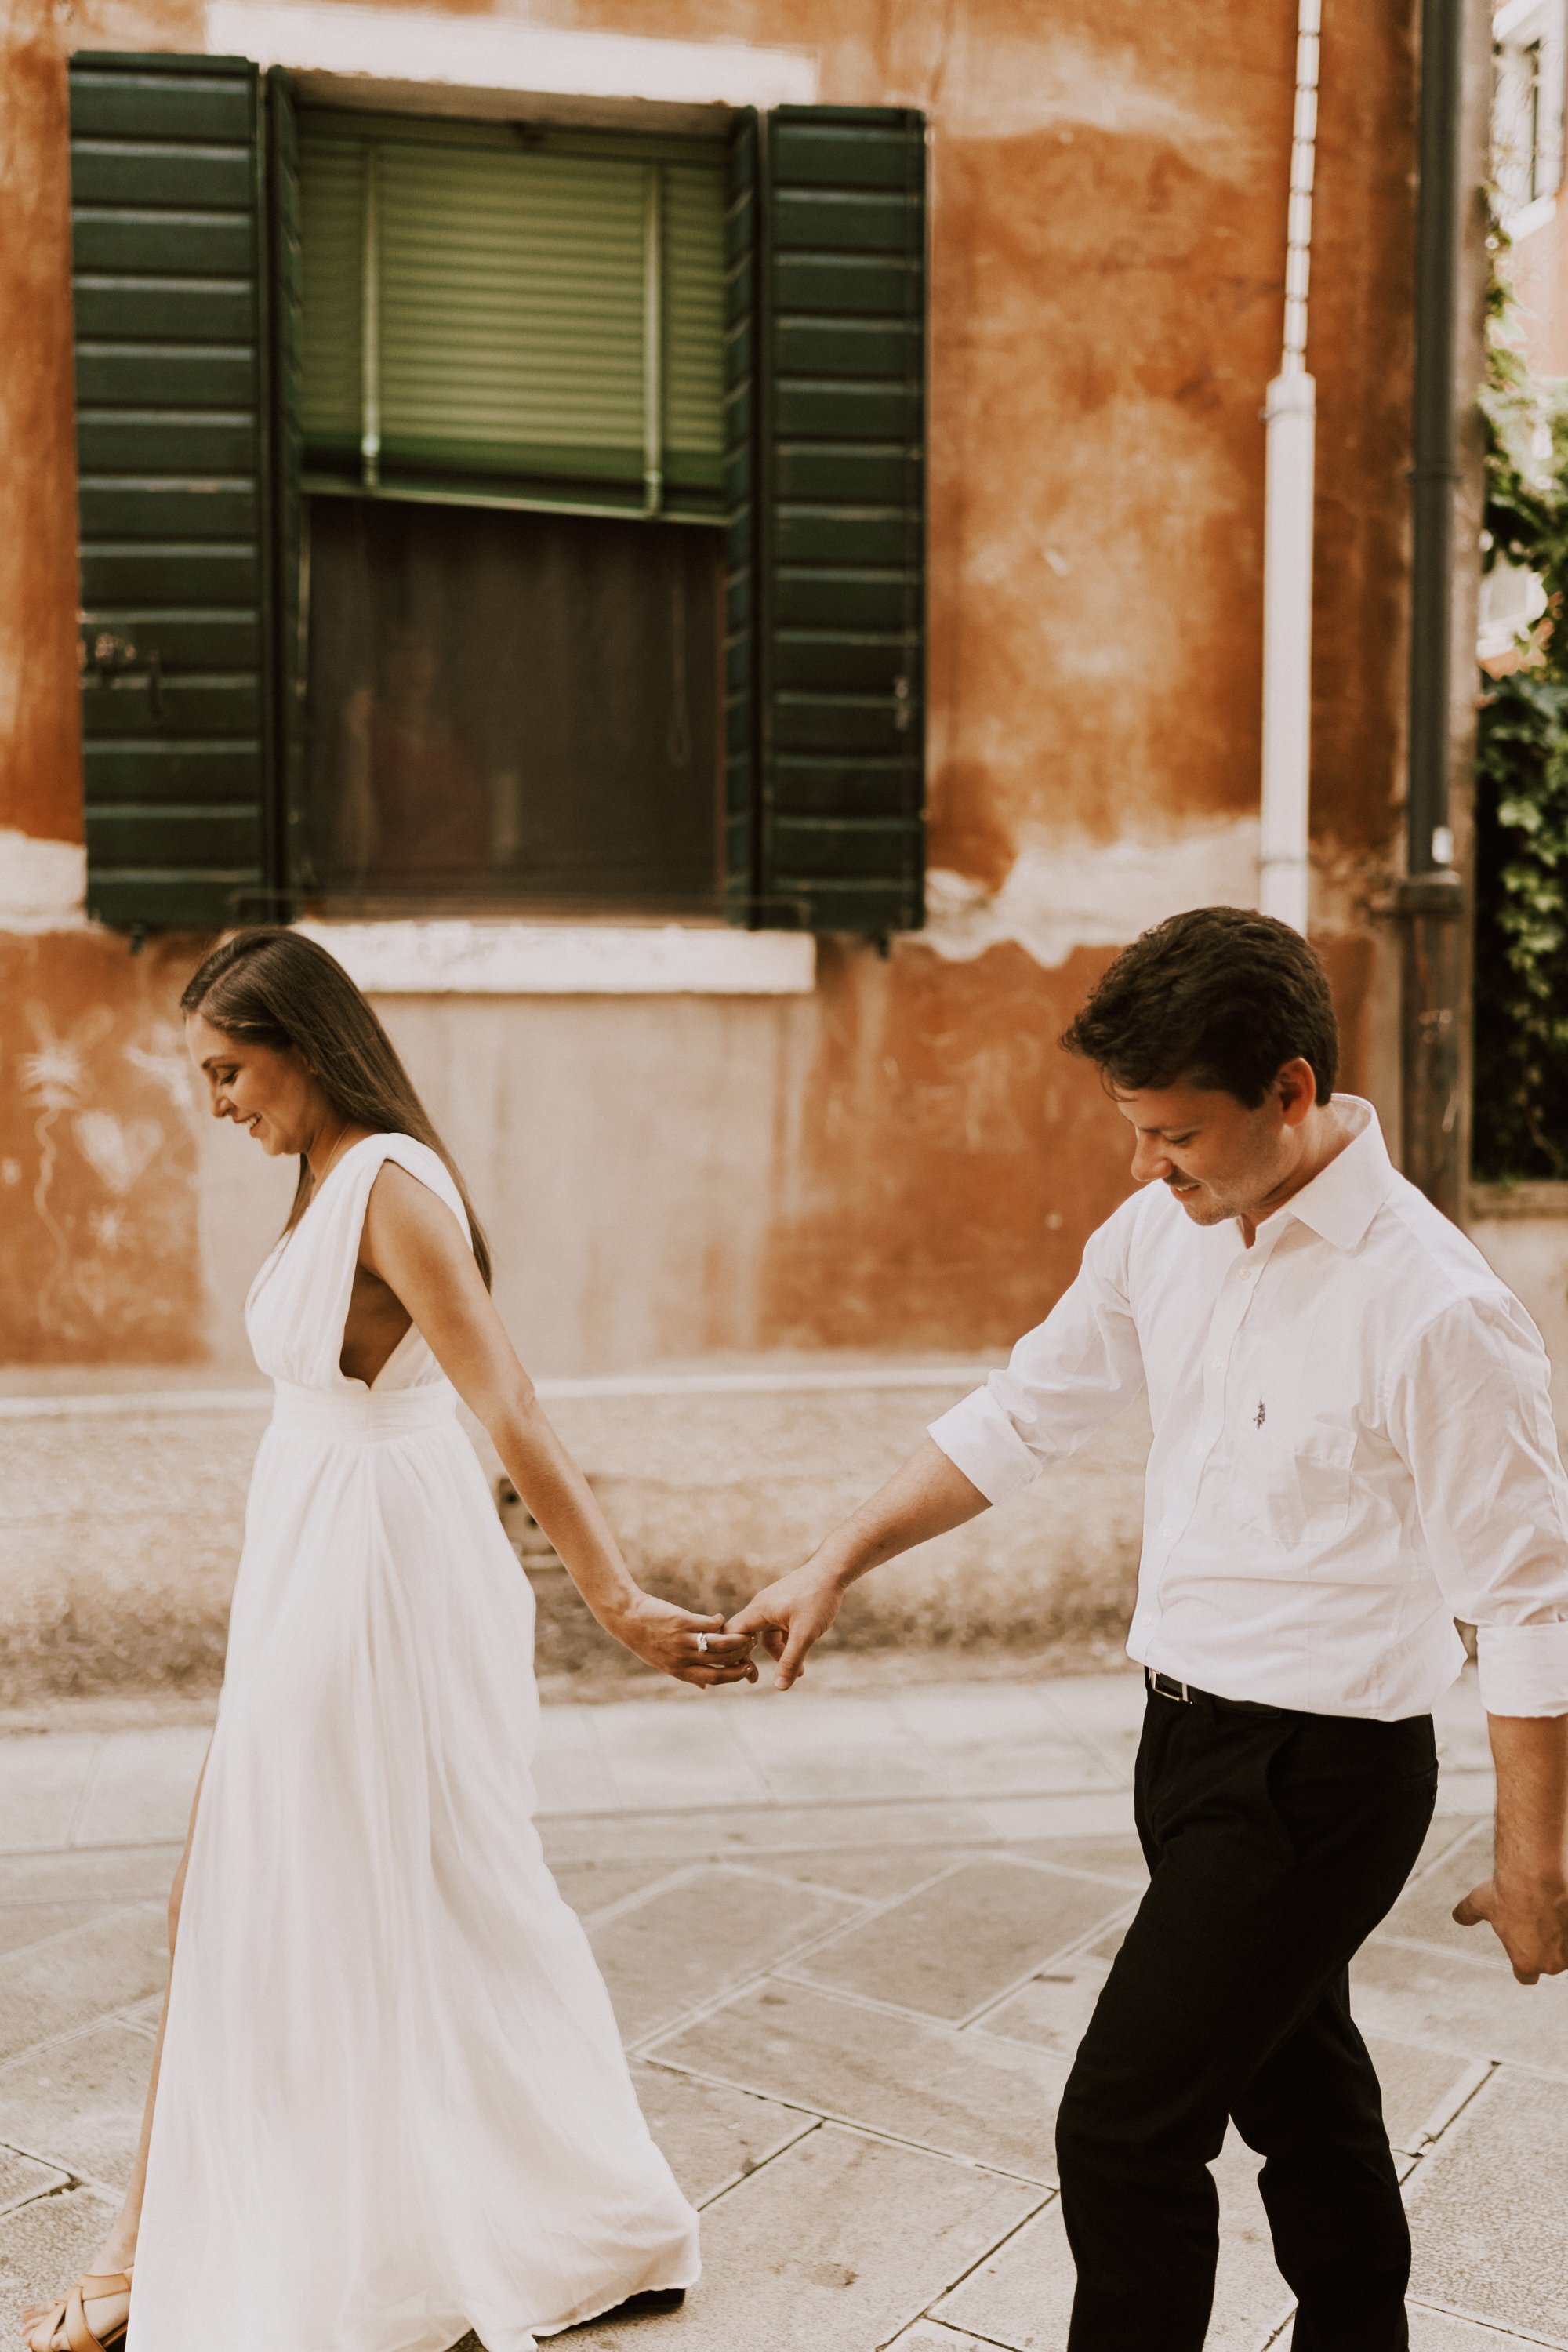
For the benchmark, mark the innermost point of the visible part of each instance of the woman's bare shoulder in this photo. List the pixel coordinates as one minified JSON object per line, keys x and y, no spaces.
{"x":402,"y":1212}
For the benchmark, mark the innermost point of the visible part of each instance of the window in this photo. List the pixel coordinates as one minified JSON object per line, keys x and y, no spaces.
{"x":483,"y":513}
{"x":1527,"y":104}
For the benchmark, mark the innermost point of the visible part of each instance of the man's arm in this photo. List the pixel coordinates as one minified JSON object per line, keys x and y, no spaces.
{"x":1526,"y":1898}
{"x":925,"y":1499}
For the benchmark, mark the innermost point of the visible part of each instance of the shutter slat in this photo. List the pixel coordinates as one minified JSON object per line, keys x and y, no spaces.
{"x":839,"y":430}
{"x":170,"y":463}
{"x":742,"y":638}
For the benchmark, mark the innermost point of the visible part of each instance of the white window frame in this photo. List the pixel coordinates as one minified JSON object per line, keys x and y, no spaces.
{"x":1528,"y":108}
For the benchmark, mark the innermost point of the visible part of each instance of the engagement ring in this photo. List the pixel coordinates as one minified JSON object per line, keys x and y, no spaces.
{"x":703,"y":1643}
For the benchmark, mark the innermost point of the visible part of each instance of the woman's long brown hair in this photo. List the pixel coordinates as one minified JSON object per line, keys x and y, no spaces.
{"x":275,"y":988}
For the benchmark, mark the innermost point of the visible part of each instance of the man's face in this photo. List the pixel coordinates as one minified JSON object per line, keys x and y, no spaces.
{"x":1219,"y":1158}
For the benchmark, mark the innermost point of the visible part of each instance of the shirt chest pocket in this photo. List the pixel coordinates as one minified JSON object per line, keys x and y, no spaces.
{"x":1294,"y":1486}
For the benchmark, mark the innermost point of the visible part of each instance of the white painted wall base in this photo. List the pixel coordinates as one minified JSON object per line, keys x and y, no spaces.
{"x":503,"y":959}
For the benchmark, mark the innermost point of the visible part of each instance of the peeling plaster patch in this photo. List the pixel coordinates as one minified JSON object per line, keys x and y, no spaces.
{"x":1076,"y":894}
{"x":1005,"y":89}
{"x":42,"y":883}
{"x":432,"y":46}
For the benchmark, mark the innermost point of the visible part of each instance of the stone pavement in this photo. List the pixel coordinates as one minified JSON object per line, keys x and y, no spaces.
{"x":852,"y":1935}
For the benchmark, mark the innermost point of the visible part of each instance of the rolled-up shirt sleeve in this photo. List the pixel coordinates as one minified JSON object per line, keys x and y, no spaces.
{"x":1470,"y":1410}
{"x":1063,"y":1379}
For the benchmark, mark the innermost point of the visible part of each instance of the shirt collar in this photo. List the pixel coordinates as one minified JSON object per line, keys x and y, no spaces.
{"x":1342,"y":1199}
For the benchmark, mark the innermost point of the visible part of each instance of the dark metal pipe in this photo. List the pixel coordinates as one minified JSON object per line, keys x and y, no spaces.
{"x":1435,"y":472}
{"x":1431,"y":898}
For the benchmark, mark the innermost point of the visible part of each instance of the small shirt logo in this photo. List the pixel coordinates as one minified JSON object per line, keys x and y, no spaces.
{"x":1261,"y":1415}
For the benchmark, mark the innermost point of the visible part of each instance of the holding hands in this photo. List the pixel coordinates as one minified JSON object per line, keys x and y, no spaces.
{"x":789,"y":1615}
{"x":695,"y":1650}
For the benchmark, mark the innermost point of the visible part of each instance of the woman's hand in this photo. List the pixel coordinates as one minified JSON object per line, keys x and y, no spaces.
{"x":668,"y":1637}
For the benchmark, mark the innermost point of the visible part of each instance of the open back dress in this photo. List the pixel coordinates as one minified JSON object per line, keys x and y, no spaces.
{"x":394,"y":2104}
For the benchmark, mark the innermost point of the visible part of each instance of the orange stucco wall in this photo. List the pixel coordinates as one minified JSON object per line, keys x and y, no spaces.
{"x":1107,"y":261}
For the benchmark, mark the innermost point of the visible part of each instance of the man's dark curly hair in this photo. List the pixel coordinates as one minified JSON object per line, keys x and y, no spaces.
{"x":1217,"y":998}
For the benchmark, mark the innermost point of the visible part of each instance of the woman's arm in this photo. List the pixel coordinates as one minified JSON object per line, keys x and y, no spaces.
{"x":412,"y":1243}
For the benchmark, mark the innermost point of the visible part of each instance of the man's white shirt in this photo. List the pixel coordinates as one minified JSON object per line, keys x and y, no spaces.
{"x":1353,"y":1445}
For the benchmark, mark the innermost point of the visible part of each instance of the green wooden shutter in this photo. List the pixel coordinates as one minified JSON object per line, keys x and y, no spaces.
{"x":742,"y":255}
{"x":486,"y":315}
{"x":838,"y":433}
{"x":174,"y":488}
{"x":289,"y":834}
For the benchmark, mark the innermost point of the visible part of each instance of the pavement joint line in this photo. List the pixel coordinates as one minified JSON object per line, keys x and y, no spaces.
{"x":133,"y":1845}
{"x":959,"y":2335}
{"x":980,"y":2260}
{"x":784,"y":1968}
{"x":30,"y":2050}
{"x":905,"y":1800}
{"x":811,"y":2123}
{"x":1475,"y":2079}
{"x":699,"y":2011}
{"x":842,"y":2122}
{"x":975,"y":2021}
{"x":87,"y":1789}
{"x":64,"y":1935}
{"x":859,"y":1904}
{"x":1488,"y":2326}
{"x":1488,"y":1957}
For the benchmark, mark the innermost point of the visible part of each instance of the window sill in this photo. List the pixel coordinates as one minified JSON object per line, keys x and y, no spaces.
{"x":451,"y":957}
{"x":1537,"y":1199}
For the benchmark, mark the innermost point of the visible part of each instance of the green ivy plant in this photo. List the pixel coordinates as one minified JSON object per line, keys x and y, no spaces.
{"x":1520,"y":1129}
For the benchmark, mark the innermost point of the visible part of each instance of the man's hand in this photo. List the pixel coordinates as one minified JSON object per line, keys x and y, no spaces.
{"x":789,"y":1616}
{"x":1531,"y":1922}
{"x":1526,"y":1898}
{"x":926,"y":1497}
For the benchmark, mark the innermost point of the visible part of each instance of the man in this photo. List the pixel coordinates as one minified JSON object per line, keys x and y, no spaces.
{"x":1353,"y":1447}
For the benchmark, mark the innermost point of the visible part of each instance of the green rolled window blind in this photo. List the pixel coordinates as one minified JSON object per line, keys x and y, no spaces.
{"x":537,"y":320}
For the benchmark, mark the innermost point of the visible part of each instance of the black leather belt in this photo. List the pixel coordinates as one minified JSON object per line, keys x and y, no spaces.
{"x":1187,"y":1695}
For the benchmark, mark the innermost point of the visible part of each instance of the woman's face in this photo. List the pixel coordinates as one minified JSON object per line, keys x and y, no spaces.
{"x":271,"y":1095}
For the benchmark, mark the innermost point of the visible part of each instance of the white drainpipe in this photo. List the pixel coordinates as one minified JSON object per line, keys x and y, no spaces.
{"x":1291,"y":419}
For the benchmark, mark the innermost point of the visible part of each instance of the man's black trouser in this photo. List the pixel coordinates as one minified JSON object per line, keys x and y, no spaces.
{"x":1276,"y":1843}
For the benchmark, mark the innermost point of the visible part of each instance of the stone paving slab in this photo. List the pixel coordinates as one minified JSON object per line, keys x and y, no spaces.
{"x":1022,"y":2297}
{"x":1017,"y":1914}
{"x":21,"y":2179}
{"x":682,"y":1944}
{"x":722,"y":1834}
{"x":80,"y":2098}
{"x":713,"y":2136}
{"x":1489,"y":2215}
{"x":119,"y":1957}
{"x":142,"y":1786}
{"x":833,"y":2247}
{"x":42,"y":1783}
{"x":44,"y":2246}
{"x":853,"y":1936}
{"x":984,"y":2102}
{"x":96,"y":1878}
{"x":1434,"y":2331}
{"x":1473,"y":2008}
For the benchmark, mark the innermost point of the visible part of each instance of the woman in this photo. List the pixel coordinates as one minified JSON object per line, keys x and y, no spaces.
{"x":389,"y":2102}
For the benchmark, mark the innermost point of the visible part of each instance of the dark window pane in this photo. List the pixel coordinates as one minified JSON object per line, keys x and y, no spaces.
{"x":509,"y":707}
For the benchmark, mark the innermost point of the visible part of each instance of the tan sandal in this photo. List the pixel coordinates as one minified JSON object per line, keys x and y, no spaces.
{"x":43,"y":2321}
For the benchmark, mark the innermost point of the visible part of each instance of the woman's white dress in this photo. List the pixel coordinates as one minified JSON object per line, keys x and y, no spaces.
{"x":394,"y":2103}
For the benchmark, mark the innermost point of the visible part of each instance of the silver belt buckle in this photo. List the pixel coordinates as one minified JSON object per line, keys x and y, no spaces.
{"x":1181,"y":1695}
